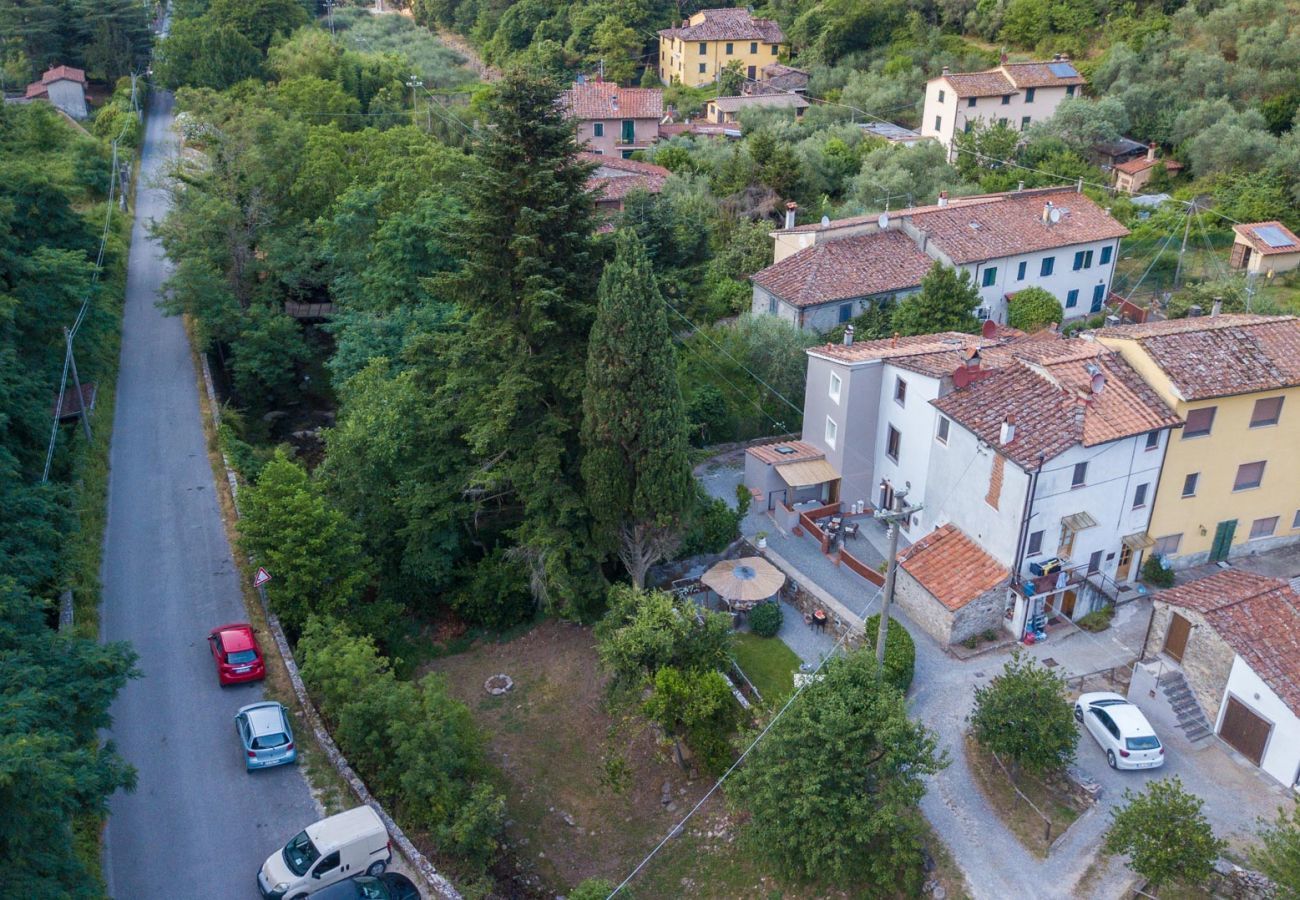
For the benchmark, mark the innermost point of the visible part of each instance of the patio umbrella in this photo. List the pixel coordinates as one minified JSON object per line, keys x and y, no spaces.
{"x":746,"y":580}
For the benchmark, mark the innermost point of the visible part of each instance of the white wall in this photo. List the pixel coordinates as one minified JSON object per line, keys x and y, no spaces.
{"x":1282,"y":752}
{"x":956,"y":486}
{"x":855,"y":417}
{"x":955,"y":112}
{"x":1062,"y":280}
{"x":915,"y":421}
{"x":945,"y":110}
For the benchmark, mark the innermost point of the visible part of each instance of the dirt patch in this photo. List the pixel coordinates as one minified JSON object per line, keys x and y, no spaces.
{"x":1054,"y":808}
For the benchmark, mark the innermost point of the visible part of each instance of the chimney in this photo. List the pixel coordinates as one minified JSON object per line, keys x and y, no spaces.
{"x":790,"y":209}
{"x":1084,"y":396}
{"x":848,"y":335}
{"x":1056,"y":57}
{"x":1053,"y":326}
{"x":1151,"y":152}
{"x":1193,"y":311}
{"x":943,"y":198}
{"x":947,"y":71}
{"x":894,"y":342}
{"x":1078,"y":188}
{"x":1047,"y":213}
{"x":1020,"y":187}
{"x":973,"y":358}
{"x":1002,"y":58}
{"x":1217,"y":307}
{"x":1008,"y":431}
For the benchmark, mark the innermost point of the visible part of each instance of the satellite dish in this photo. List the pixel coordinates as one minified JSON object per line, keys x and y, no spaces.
{"x":1098,"y":382}
{"x":1054,"y":215}
{"x":883,"y":221}
{"x":826,"y":220}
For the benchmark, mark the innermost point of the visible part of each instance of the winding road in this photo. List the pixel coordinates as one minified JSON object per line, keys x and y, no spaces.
{"x":197,"y":825}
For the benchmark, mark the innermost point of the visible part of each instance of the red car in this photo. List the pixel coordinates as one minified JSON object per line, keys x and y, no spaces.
{"x":238,"y":656}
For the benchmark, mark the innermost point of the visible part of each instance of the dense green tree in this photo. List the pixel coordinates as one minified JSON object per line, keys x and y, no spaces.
{"x":635,"y":464}
{"x":261,"y":21}
{"x":1164,"y":834}
{"x":645,"y":631}
{"x":205,"y":53}
{"x":1083,"y":122}
{"x":1277,"y":854}
{"x":731,"y":79}
{"x":986,"y":146}
{"x":1024,"y":715}
{"x":816,"y":819}
{"x":1032,"y":309}
{"x":946,"y":302}
{"x":697,"y":707}
{"x":526,"y":288}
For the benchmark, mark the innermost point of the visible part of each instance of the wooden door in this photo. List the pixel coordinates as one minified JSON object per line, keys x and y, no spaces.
{"x":1067,"y":603}
{"x":1125,"y":562}
{"x":1176,"y":637}
{"x":1244,"y":731}
{"x":1223,"y":533}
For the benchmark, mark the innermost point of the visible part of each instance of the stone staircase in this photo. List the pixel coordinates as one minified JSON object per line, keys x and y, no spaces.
{"x":1180,"y":697}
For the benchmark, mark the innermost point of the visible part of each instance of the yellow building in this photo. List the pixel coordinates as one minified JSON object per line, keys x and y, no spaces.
{"x":701,"y":48}
{"x":1230,"y":484}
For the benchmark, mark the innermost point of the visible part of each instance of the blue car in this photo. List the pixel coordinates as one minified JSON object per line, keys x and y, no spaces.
{"x":267,"y":737}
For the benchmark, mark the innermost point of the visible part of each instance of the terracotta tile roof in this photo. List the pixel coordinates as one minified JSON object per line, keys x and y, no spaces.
{"x":1259,"y":618}
{"x":1047,"y":394}
{"x":1259,"y":245}
{"x":727,"y":24}
{"x":897,"y":349}
{"x":1009,"y":78}
{"x":1013,"y":224}
{"x":992,"y":83}
{"x":769,"y":453}
{"x":1220,"y":356}
{"x":614,"y":178}
{"x":760,"y":101}
{"x":905,"y":212}
{"x":952,"y":567}
{"x":1141,"y":164}
{"x":858,"y":266}
{"x":1039,"y":74}
{"x":606,"y":100}
{"x":70,"y":73}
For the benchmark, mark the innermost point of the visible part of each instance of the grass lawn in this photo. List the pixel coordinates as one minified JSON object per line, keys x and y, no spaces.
{"x":768,"y":663}
{"x":1022,"y":821}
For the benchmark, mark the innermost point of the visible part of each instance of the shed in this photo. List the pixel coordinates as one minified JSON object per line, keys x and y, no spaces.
{"x":64,"y":87}
{"x":1265,"y":248}
{"x":950,"y":586}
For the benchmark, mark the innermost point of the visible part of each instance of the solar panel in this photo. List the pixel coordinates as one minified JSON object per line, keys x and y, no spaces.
{"x":1063,"y":70}
{"x":1273,"y":236}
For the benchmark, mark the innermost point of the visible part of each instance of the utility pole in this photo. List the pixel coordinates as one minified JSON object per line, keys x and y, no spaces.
{"x":76,"y":381}
{"x":894,"y":517}
{"x":1187,"y":227}
{"x":414,"y":82}
{"x":329,"y":9}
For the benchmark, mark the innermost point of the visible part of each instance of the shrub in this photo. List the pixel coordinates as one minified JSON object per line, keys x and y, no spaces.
{"x":494,"y":592}
{"x":743,"y":499}
{"x":989,"y":635}
{"x":765,"y":619}
{"x":1033,"y":308}
{"x":1154,"y":572}
{"x":592,"y":888}
{"x":713,"y":525}
{"x":900,"y":652}
{"x":1097,"y":620}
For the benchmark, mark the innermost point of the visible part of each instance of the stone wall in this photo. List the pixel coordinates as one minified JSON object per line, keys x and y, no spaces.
{"x":945,"y":625}
{"x":1207,"y":660}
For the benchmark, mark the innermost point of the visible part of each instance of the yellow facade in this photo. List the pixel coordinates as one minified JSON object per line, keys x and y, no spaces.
{"x":1203,"y":513}
{"x":695,"y":63}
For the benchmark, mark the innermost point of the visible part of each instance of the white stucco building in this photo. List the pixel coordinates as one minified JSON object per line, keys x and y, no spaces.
{"x":1015,"y":94}
{"x":1056,"y":239}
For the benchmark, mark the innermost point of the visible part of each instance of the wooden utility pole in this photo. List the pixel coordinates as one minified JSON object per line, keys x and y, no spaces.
{"x":894,"y":517}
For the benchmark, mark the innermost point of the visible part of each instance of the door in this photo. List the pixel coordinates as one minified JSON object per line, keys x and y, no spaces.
{"x":1067,"y":603}
{"x":1176,"y":637}
{"x":1125,"y":563}
{"x":1244,"y":731}
{"x":751,"y":73}
{"x":1223,"y":533}
{"x":1098,"y":296}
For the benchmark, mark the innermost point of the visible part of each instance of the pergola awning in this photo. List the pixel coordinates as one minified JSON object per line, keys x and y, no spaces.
{"x":1137,"y":541}
{"x":1078,"y":522}
{"x":804,"y":474}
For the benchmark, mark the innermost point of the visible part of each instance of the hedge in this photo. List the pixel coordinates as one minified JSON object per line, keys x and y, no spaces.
{"x":900,"y":652}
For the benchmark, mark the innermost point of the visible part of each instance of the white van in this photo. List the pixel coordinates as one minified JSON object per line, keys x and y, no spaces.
{"x":352,"y":843}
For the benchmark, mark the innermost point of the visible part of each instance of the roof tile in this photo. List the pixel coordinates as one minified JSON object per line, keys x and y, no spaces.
{"x":606,"y":100}
{"x":858,"y":266}
{"x":728,"y":24}
{"x":952,"y":567}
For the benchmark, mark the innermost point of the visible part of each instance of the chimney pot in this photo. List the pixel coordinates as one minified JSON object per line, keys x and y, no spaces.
{"x":1020,"y":187}
{"x":1047,"y":213}
{"x":1007,"y":433}
{"x":848,"y":335}
{"x":1002,"y":57}
{"x":894,"y":341}
{"x":973,"y":358}
{"x":947,"y":71}
{"x":943,"y":198}
{"x":1151,"y":151}
{"x":1193,"y":311}
{"x":790,"y":209}
{"x":1217,"y":307}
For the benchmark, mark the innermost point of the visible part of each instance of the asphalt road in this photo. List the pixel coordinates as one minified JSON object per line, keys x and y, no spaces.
{"x":197,"y":825}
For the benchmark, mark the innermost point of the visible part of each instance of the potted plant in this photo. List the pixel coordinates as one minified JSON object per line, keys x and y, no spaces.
{"x":761,"y":537}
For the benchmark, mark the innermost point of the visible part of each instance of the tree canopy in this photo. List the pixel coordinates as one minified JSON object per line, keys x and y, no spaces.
{"x":1024,"y":715}
{"x":946,"y":302}
{"x":1165,"y":834}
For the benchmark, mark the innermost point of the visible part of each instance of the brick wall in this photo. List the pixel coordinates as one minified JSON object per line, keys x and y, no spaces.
{"x":1206,"y":662}
{"x":995,"y":481}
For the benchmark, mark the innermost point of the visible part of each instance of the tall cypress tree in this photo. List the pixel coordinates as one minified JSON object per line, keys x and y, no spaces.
{"x":636,"y":469}
{"x":514,"y":374}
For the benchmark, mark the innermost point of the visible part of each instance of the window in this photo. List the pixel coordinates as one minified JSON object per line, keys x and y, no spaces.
{"x":1167,"y":545}
{"x":1094,"y":562}
{"x":1262,"y":528}
{"x":942,"y":437}
{"x":1072,"y":298}
{"x":1295,"y":523}
{"x":753,"y":47}
{"x":774,"y":49}
{"x":1029,"y":95}
{"x":730,"y":49}
{"x":1020,"y":271}
{"x":327,"y":864}
{"x":1189,"y":484}
{"x":990,"y":276}
{"x":629,"y":130}
{"x":938,"y":123}
{"x":598,"y":129}
{"x":1249,"y":475}
{"x":1140,"y":496}
{"x":1083,"y":260}
{"x":1003,"y":122}
{"x":967,"y":127}
{"x":1024,"y":123}
{"x":1006,"y":99}
{"x":836,"y":384}
{"x":703,"y":68}
{"x":1199,"y":422}
{"x":893,"y":443}
{"x":1105,"y":254}
{"x":1080,"y":476}
{"x":1069,"y":92}
{"x":832,"y":431}
{"x":846,"y":312}
{"x":1035,"y":543}
{"x":970,"y":103}
{"x":942,"y":96}
{"x":1098,"y":297}
{"x":704,"y":48}
{"x":1153,"y":440}
{"x":771,"y":305}
{"x":1267,"y":412}
{"x":900,"y":392}
{"x":1046,"y":267}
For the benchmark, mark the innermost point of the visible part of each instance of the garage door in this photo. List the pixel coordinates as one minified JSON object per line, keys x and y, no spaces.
{"x":1244,"y":731}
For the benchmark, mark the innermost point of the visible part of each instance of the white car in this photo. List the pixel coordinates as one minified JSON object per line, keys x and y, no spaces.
{"x":1123,"y":732}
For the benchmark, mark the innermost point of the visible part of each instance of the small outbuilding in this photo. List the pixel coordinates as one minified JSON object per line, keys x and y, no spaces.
{"x":1265,"y":248}
{"x":950,"y":586}
{"x":790,"y":473}
{"x":725,"y":110}
{"x":64,"y":87}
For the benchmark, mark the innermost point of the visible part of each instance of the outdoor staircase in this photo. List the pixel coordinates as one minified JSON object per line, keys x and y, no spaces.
{"x":1180,"y":697}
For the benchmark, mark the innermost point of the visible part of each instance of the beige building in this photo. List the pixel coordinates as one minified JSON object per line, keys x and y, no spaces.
{"x":1265,"y":248}
{"x":724,"y":110}
{"x":613,"y":120}
{"x":1132,"y":175}
{"x":64,"y":87}
{"x":697,"y":51}
{"x":614,"y":178}
{"x":1015,"y":94}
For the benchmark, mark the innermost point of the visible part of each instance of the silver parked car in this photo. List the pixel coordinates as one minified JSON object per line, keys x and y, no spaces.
{"x":266,"y":735}
{"x":1123,"y":732}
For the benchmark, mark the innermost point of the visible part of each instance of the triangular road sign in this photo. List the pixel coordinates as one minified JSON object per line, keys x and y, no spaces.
{"x":261,"y":578}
